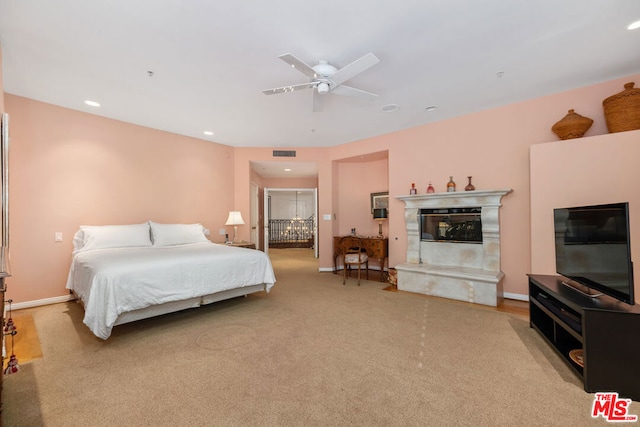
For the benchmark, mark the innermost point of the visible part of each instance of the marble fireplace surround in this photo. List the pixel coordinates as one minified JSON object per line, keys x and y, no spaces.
{"x":461,"y":271}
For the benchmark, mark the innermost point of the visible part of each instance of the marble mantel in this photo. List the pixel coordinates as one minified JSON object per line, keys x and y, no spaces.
{"x":462,"y":271}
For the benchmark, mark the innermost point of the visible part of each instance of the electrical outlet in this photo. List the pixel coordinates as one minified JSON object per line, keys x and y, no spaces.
{"x":57,"y":237}
{"x":222,"y":232}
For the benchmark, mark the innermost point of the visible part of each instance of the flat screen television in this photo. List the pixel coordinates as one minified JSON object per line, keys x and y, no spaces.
{"x":593,"y":250}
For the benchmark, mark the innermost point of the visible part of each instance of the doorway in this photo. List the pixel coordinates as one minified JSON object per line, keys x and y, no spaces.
{"x":291,"y":218}
{"x":254,"y":215}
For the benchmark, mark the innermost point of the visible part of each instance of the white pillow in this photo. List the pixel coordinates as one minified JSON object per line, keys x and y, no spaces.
{"x":176,"y":234}
{"x":111,"y":236}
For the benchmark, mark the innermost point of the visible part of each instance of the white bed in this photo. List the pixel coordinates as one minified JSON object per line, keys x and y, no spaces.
{"x":121,"y":277}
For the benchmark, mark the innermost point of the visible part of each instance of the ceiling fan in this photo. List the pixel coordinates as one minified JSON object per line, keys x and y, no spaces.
{"x":325,"y":78}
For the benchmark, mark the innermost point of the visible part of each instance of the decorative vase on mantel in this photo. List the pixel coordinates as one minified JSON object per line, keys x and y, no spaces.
{"x":470,"y":186}
{"x":573,"y":125}
{"x":430,"y":189}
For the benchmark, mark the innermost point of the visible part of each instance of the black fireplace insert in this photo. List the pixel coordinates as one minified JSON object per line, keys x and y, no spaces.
{"x":459,"y":225}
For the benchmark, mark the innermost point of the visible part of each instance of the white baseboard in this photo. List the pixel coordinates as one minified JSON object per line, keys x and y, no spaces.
{"x":518,"y":297}
{"x":41,"y":302}
{"x":326,"y":269}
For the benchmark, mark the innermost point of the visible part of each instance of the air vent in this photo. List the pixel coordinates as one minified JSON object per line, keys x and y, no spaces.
{"x":284,"y":153}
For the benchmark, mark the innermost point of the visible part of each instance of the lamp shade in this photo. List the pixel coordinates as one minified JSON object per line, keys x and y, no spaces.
{"x":380,"y":213}
{"x":235,"y":218}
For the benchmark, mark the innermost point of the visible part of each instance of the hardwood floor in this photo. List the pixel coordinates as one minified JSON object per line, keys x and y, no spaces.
{"x":520,"y":308}
{"x":25,"y":344}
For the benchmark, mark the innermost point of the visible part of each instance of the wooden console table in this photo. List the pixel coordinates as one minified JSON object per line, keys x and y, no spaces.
{"x":376,"y":248}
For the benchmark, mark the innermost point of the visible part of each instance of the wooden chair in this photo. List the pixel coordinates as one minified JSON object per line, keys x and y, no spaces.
{"x":353,"y":254}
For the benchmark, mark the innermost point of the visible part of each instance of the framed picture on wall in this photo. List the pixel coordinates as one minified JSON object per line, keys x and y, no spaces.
{"x":379,"y":200}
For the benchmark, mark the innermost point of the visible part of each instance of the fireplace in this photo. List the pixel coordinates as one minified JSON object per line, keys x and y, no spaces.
{"x":453,"y":246}
{"x":454,"y":225}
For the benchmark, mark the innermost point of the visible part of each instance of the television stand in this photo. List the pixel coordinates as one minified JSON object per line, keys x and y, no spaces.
{"x":582,"y":289}
{"x":598,"y":338}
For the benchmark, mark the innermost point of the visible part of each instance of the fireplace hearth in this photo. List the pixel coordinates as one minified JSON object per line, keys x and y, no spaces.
{"x":453,"y":246}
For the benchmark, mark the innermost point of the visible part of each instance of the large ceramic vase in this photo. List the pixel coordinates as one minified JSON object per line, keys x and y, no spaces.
{"x":573,"y":125}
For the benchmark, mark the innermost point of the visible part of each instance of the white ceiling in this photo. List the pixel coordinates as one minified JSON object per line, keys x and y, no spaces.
{"x":212,"y":59}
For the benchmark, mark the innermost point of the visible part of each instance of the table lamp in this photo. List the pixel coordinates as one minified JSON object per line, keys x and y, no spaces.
{"x":235,"y":219}
{"x":380,"y":214}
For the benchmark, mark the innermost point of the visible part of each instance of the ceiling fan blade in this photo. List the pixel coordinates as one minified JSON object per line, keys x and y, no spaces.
{"x":290,"y":88}
{"x":298,"y":65}
{"x":353,"y":92}
{"x":318,"y":101}
{"x":356,"y":67}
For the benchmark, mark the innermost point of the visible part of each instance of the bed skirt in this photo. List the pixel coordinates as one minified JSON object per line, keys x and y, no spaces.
{"x":171,"y":307}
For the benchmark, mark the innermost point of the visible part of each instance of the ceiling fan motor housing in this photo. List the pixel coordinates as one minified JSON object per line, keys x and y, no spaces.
{"x":324,"y":69}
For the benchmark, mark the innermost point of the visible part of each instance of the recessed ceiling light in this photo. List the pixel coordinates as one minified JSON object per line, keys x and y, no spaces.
{"x":431,"y":108}
{"x":287,"y":170}
{"x":634,"y":25}
{"x":390,"y":108}
{"x":92,"y":103}
{"x":208,"y":133}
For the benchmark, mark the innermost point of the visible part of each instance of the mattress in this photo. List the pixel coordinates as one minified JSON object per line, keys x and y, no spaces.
{"x":113,"y":281}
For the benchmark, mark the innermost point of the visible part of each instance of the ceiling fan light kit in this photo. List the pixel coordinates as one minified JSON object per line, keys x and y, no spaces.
{"x":325,"y":78}
{"x":323,"y":87}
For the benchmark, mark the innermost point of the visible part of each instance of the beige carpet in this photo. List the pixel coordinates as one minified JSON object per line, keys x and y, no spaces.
{"x":311,"y":353}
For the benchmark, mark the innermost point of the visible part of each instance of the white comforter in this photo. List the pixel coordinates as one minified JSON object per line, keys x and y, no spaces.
{"x":114,"y":281}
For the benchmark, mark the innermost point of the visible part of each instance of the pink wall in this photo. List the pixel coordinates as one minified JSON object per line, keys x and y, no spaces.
{"x":493,"y":147}
{"x":349,"y":204}
{"x":580,"y":172}
{"x":70,"y":168}
{"x":356,"y":182}
{"x":242,"y":175}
